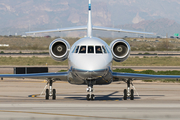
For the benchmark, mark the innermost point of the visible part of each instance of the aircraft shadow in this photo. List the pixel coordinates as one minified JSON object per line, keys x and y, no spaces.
{"x":111,"y":96}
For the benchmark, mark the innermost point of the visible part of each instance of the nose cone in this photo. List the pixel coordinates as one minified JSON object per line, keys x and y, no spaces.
{"x":91,"y":67}
{"x":84,"y":74}
{"x":90,"y":63}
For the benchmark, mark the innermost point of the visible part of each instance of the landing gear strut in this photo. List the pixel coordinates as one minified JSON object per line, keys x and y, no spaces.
{"x":90,"y":96}
{"x":128,"y":92}
{"x":50,"y":92}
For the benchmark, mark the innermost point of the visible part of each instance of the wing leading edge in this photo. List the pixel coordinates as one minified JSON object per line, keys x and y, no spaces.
{"x":61,"y":76}
{"x":135,"y":76}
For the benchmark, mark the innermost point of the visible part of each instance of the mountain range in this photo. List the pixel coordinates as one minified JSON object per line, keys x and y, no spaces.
{"x":159,"y":16}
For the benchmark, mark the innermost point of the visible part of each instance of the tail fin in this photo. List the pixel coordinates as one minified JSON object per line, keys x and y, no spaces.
{"x":89,"y":26}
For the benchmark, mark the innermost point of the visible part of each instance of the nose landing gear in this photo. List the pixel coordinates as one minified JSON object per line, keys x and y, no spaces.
{"x":90,"y":96}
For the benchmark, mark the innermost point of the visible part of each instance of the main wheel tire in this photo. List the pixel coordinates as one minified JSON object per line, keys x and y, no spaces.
{"x":88,"y":97}
{"x":47,"y":94}
{"x":54,"y":94}
{"x":92,"y":97}
{"x":132,"y":94}
{"x":125,"y":94}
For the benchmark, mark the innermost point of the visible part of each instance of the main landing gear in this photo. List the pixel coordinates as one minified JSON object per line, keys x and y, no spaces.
{"x":50,"y":92}
{"x":129,"y":92}
{"x":90,"y":96}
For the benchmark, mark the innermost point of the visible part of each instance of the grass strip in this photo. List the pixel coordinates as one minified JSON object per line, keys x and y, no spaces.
{"x":131,"y":61}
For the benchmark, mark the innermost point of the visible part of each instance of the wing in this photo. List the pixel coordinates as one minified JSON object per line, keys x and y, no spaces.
{"x":59,"y":30}
{"x":121,"y":76}
{"x":120,"y":30}
{"x":61,"y":76}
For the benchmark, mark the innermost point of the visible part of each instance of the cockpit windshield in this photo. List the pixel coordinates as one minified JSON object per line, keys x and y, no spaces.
{"x":76,"y":49}
{"x":104,"y":49}
{"x":98,"y":49}
{"x":82,"y":49}
{"x":90,"y":49}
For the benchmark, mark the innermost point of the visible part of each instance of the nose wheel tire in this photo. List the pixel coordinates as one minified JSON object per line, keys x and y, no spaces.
{"x":90,"y":97}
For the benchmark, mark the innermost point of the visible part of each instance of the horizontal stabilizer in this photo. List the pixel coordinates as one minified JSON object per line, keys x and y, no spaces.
{"x":59,"y":30}
{"x":120,"y":30}
{"x":94,"y":28}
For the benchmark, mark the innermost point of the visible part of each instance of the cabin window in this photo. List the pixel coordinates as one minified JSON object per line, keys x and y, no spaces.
{"x":104,"y":49}
{"x":82,"y":49}
{"x":90,"y":49}
{"x":98,"y":49}
{"x":76,"y":49}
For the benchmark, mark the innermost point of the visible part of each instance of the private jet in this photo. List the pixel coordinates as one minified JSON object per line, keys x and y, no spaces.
{"x":90,"y":61}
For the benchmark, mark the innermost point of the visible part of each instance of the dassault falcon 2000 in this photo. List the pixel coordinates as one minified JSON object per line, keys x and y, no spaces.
{"x":90,"y":61}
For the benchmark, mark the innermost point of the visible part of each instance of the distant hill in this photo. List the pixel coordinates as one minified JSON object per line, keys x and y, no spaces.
{"x":18,"y":16}
{"x":160,"y":26}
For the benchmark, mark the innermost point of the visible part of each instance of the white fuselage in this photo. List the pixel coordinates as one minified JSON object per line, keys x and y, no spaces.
{"x":90,"y":64}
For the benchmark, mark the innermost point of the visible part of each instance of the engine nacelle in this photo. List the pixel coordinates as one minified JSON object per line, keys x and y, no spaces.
{"x":120,"y":50}
{"x":59,"y":49}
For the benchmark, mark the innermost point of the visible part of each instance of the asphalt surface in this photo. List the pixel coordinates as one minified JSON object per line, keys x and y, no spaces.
{"x":156,"y":101}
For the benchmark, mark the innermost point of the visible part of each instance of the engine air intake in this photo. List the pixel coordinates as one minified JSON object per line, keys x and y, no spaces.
{"x":120,"y":50}
{"x":59,"y":49}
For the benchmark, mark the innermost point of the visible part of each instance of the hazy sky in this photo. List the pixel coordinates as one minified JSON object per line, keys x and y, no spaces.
{"x":17,"y":15}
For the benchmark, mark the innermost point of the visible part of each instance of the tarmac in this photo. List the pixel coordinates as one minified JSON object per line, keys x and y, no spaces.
{"x":21,"y":100}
